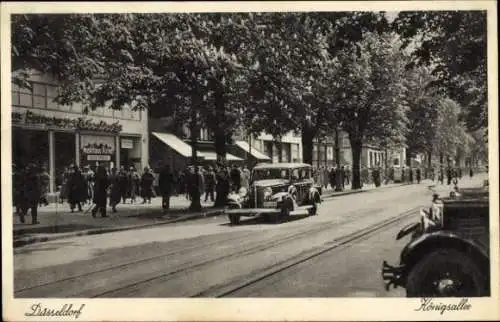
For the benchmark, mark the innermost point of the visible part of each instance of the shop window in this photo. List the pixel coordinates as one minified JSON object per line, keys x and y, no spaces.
{"x":39,"y":89}
{"x":15,"y":98}
{"x":51,"y":104}
{"x":39,"y":101}
{"x":25,"y":100}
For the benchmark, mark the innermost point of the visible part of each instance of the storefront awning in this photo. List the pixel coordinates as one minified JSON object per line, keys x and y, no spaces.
{"x":255,"y":153}
{"x":175,"y":143}
{"x":212,"y":156}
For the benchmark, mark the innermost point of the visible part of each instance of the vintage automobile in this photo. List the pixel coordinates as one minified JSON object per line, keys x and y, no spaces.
{"x":277,"y":191}
{"x":448,"y":253}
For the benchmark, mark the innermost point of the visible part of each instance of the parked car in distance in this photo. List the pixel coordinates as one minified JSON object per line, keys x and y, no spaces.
{"x":448,"y":254}
{"x":276,"y":190}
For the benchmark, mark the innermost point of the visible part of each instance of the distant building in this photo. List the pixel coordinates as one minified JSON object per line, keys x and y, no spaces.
{"x":56,"y":136}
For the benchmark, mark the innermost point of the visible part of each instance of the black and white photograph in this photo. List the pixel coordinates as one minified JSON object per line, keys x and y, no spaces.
{"x":241,"y":154}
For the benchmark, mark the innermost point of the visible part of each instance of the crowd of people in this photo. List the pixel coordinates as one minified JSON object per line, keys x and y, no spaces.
{"x":101,"y":187}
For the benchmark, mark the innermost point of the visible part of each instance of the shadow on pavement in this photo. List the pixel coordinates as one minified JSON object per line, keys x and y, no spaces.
{"x":263,"y":220}
{"x":55,"y":229}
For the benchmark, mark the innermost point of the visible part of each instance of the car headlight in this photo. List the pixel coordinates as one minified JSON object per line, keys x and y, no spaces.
{"x":267,"y":193}
{"x":243,"y":192}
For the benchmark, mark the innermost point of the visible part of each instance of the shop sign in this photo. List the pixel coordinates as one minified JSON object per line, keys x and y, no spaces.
{"x":127,"y":144}
{"x":97,"y":147}
{"x":97,"y":157}
{"x":80,"y":123}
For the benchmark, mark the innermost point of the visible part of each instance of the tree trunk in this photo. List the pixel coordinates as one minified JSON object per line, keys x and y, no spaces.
{"x":220,"y":145}
{"x":195,"y":193}
{"x":219,"y":130}
{"x":408,"y":157}
{"x":441,"y":158}
{"x":429,"y":160}
{"x":338,"y":179}
{"x":337,"y":148}
{"x":280,"y":150}
{"x":307,"y":144}
{"x":318,"y":152}
{"x":356,"y":146}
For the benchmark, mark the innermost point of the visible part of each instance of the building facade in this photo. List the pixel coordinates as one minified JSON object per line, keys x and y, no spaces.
{"x":56,"y":136}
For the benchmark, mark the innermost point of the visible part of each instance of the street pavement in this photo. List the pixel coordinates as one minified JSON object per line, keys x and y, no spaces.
{"x":57,"y":222}
{"x":337,"y":253}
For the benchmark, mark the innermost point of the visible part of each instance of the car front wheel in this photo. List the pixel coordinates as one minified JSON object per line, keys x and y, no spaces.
{"x":314,"y":210}
{"x":234,"y":219}
{"x":445,"y":273}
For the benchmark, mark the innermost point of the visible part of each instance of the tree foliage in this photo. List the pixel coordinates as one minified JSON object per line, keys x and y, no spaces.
{"x":454,"y":44}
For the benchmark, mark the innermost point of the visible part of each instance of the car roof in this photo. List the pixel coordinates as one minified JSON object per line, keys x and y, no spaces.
{"x":288,"y":165}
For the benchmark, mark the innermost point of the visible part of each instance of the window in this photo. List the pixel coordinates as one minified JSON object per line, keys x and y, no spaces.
{"x":39,"y":96}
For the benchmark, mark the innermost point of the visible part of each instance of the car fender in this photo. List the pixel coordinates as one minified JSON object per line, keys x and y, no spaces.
{"x":280,"y":196}
{"x":292,"y":191}
{"x":426,"y":243}
{"x":234,"y":202}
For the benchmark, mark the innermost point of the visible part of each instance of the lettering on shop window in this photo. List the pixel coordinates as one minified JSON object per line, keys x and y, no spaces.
{"x":81,"y":123}
{"x":98,"y":149}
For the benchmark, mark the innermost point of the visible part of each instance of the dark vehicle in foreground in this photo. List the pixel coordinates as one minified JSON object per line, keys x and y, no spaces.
{"x":277,"y":191}
{"x":448,"y":254}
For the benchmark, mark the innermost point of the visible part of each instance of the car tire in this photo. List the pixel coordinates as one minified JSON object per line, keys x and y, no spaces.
{"x":284,"y":215}
{"x":234,"y":219}
{"x":428,"y":278}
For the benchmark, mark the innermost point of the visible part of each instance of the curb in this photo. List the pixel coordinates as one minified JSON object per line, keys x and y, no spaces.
{"x":97,"y":231}
{"x":344,"y":193}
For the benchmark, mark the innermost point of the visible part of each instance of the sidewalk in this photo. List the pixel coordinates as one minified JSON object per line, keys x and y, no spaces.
{"x":56,"y":220}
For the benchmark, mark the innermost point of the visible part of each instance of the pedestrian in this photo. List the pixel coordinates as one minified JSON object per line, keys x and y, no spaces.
{"x":471,"y":172}
{"x":115,"y":190}
{"x":30,"y":193}
{"x":77,"y":193}
{"x":210,"y":183}
{"x":44,"y":184}
{"x":235,"y":178}
{"x":123,"y":184}
{"x":222,"y":185}
{"x":165,"y":186}
{"x":245,"y":178}
{"x":418,"y":175}
{"x":147,"y":180}
{"x":134,"y":182}
{"x":410,"y":175}
{"x":186,"y":178}
{"x":449,"y":175}
{"x":333,"y":175}
{"x":200,"y":180}
{"x":326,"y":176}
{"x":319,"y":179}
{"x":376,"y":176}
{"x":17,"y":181}
{"x":181,"y":182}
{"x":63,"y":193}
{"x":101,"y":184}
{"x":88,"y":174}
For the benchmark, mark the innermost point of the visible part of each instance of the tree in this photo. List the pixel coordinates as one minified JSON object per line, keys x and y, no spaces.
{"x":454,"y":44}
{"x":451,"y":131}
{"x":422,"y":99}
{"x":369,"y":93}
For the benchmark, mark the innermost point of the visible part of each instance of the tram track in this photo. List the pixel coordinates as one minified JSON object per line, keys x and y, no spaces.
{"x":160,"y":276}
{"x":235,"y":285}
{"x":135,"y":287}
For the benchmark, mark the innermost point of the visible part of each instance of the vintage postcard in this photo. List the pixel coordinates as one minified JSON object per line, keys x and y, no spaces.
{"x":226,"y":161}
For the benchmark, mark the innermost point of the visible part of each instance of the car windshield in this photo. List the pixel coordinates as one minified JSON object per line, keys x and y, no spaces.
{"x":262,"y":174}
